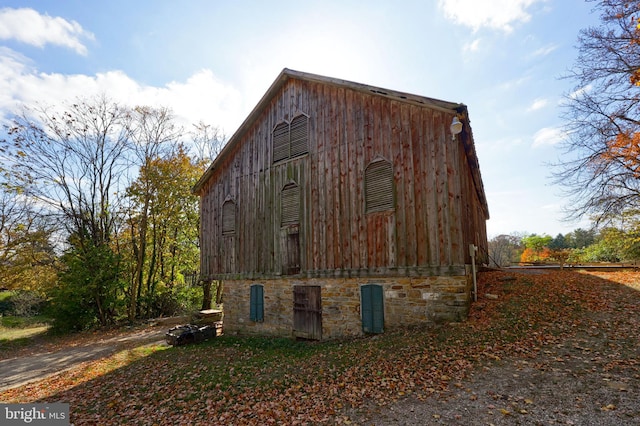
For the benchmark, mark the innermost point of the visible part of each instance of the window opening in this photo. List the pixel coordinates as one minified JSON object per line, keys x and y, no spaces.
{"x":378,"y":186}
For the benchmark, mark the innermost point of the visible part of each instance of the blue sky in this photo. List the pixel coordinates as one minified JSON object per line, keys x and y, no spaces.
{"x":213,"y":60}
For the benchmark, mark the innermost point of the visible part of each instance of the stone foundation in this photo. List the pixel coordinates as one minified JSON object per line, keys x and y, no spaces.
{"x":407,"y":301}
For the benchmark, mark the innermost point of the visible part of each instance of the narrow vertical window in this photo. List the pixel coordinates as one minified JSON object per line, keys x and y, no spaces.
{"x":290,"y":228}
{"x":228,"y":218}
{"x":281,"y":142}
{"x":299,"y":135}
{"x":378,"y":186}
{"x":256,"y":305}
{"x":290,"y":205}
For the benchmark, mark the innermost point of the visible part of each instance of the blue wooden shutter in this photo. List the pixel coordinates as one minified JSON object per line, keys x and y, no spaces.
{"x":256,"y":305}
{"x":372,"y":306}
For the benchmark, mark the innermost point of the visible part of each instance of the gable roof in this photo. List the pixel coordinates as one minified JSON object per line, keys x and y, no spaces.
{"x":287,"y":74}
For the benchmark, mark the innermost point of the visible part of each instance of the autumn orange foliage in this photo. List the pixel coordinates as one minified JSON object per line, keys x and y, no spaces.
{"x":530,"y":255}
{"x":635,"y":76}
{"x":625,"y":149}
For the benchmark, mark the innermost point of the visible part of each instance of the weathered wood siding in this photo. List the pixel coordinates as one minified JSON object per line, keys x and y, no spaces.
{"x":437,"y":213}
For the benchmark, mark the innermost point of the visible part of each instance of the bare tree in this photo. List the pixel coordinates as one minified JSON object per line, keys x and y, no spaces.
{"x":600,"y":169}
{"x":504,"y":249}
{"x":207,"y":142}
{"x":74,"y":161}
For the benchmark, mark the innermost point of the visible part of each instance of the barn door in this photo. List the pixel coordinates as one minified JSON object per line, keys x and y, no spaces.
{"x":307,"y":312}
{"x":372,"y":308}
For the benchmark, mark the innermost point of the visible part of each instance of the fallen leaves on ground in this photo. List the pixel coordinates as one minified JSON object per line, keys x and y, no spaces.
{"x":47,"y":342}
{"x":278,"y":381}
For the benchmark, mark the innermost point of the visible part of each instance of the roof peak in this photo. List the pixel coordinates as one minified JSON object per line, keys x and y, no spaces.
{"x":287,"y":73}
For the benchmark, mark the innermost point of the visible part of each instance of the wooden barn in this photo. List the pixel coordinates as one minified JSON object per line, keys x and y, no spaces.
{"x":338,"y":209}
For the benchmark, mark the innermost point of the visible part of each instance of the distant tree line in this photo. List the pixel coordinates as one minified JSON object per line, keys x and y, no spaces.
{"x":96,"y":210}
{"x":611,"y":244}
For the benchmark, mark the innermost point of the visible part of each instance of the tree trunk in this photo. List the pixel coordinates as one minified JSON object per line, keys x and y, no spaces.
{"x":206,"y":294}
{"x":218,"y":292}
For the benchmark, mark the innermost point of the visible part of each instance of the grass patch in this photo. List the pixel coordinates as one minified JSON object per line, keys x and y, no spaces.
{"x":14,"y":338}
{"x":123,"y":358}
{"x":17,"y":332}
{"x":11,"y":321}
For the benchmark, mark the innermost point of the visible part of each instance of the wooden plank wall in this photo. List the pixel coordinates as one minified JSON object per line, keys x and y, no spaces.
{"x":437,"y":209}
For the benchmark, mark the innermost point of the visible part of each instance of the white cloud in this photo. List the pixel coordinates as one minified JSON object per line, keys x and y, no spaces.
{"x":472,"y":46}
{"x":544,"y":51}
{"x":581,"y":91}
{"x":548,"y":136}
{"x":499,"y":146}
{"x":513,"y":84}
{"x":202,"y":97}
{"x":494,"y":14}
{"x":30,"y":27}
{"x":538,"y":104}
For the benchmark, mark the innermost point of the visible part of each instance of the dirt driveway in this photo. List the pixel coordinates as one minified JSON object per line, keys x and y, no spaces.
{"x":24,"y":368}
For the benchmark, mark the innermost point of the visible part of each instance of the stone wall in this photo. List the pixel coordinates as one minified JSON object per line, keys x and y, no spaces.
{"x":407,"y":301}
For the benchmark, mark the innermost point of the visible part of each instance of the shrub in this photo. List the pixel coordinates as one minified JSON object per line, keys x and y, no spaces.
{"x":177,"y":300}
{"x":87,"y":291}
{"x":26,"y":303}
{"x":5,"y":302}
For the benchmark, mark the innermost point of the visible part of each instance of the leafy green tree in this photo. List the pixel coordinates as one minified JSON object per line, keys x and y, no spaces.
{"x":581,"y":238}
{"x":536,"y":248}
{"x":152,"y":131}
{"x":117,"y":181}
{"x":537,"y":242}
{"x":163,"y":190}
{"x":624,"y":238}
{"x":87,"y":293}
{"x":558,"y":243}
{"x":608,"y":247}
